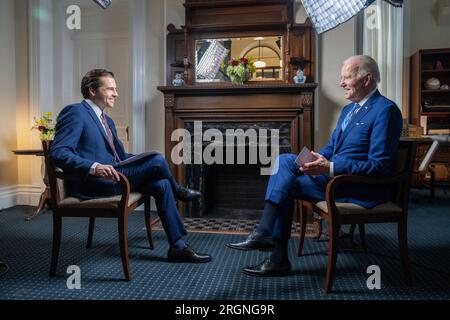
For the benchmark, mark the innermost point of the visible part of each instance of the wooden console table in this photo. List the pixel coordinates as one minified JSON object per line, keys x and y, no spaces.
{"x":45,"y":196}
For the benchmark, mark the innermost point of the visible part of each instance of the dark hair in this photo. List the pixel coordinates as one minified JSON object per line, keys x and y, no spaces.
{"x":92,"y":80}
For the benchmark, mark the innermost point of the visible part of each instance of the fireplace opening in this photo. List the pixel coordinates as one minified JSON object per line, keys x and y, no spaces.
{"x":237,"y":190}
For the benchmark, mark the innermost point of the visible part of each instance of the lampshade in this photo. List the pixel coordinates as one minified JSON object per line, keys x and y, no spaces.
{"x":328,"y":14}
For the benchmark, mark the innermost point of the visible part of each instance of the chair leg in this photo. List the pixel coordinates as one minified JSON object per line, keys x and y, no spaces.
{"x":302,"y":229}
{"x":123,"y":243}
{"x":362,"y":237}
{"x":403,"y":244}
{"x":90,"y":232}
{"x":148,"y":221}
{"x":333,"y":237}
{"x":351,"y":234}
{"x":57,"y":224}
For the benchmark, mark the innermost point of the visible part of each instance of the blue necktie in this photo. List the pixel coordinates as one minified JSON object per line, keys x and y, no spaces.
{"x":349,"y":116}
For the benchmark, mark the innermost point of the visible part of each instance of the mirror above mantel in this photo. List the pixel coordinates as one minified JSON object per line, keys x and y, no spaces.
{"x":219,"y":30}
{"x":213,"y":55}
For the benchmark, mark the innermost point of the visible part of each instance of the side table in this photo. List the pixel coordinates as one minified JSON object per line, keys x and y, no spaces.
{"x":45,"y":196}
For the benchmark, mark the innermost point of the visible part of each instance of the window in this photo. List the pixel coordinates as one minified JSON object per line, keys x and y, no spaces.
{"x":383,"y":41}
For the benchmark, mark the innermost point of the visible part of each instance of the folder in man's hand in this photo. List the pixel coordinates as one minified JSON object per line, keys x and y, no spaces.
{"x":305,"y":156}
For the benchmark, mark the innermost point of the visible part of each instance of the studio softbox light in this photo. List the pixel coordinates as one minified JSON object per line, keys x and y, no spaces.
{"x":328,"y":14}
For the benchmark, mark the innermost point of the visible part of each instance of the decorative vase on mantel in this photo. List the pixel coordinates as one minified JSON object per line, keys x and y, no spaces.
{"x":238,"y":80}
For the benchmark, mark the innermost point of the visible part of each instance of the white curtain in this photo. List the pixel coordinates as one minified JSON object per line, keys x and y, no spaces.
{"x":383,"y":41}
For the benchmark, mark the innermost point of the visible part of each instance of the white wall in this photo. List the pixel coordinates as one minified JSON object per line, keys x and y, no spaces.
{"x":160,"y":13}
{"x":175,"y":12}
{"x":23,"y":123}
{"x":425,"y":32}
{"x":8,"y":140}
{"x":334,"y":47}
{"x":156,"y":55}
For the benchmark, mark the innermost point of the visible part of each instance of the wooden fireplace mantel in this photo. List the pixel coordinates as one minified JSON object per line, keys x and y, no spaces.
{"x":248,"y":103}
{"x":228,"y":88}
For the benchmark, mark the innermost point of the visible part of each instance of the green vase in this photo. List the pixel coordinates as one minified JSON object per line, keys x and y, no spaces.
{"x":235,"y":79}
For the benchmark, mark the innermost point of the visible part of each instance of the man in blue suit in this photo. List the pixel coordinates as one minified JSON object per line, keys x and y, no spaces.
{"x":86,"y":144}
{"x":364,"y":142}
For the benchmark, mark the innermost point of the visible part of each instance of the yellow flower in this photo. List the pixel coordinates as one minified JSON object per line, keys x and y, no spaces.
{"x":46,"y":126}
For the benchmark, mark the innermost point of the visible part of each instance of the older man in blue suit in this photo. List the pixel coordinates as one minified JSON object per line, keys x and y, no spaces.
{"x":86,"y":144}
{"x":364,"y":142}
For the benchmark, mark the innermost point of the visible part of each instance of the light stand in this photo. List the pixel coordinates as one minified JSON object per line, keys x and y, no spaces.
{"x":432,"y":150}
{"x":423,"y":168}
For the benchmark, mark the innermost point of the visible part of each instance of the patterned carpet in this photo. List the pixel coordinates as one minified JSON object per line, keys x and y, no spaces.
{"x":26,"y":247}
{"x":229,"y":226}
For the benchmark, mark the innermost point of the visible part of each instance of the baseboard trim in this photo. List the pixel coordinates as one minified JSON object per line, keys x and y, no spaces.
{"x":28,"y":195}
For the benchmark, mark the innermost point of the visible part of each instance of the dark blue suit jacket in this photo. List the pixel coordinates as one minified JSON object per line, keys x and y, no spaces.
{"x":80,"y":140}
{"x":368,"y":146}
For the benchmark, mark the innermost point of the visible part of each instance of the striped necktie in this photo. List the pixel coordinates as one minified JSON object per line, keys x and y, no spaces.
{"x":349,"y":116}
{"x":110,"y":137}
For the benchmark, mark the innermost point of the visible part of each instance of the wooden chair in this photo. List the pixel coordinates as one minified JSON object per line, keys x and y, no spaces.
{"x":337,"y":214}
{"x":118,"y":207}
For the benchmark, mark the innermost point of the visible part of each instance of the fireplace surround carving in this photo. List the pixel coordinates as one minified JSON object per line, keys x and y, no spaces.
{"x":291,"y":105}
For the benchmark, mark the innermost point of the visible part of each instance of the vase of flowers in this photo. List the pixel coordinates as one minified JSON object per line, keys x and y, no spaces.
{"x":46,"y":126}
{"x":240,"y":70}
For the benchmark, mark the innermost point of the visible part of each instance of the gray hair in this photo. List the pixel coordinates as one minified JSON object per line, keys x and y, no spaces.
{"x":365,"y":66}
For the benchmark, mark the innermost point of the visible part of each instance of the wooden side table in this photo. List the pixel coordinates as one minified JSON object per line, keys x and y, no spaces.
{"x":45,"y":196}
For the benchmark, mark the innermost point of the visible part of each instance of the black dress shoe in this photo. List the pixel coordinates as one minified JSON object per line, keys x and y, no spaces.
{"x":186,"y":194}
{"x":253,"y":242}
{"x":187,"y":255}
{"x":268,"y":269}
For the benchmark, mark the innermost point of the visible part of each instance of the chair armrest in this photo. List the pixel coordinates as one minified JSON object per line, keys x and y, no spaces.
{"x":126,"y":190}
{"x":73,"y":177}
{"x":346,"y":178}
{"x":125,"y":184}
